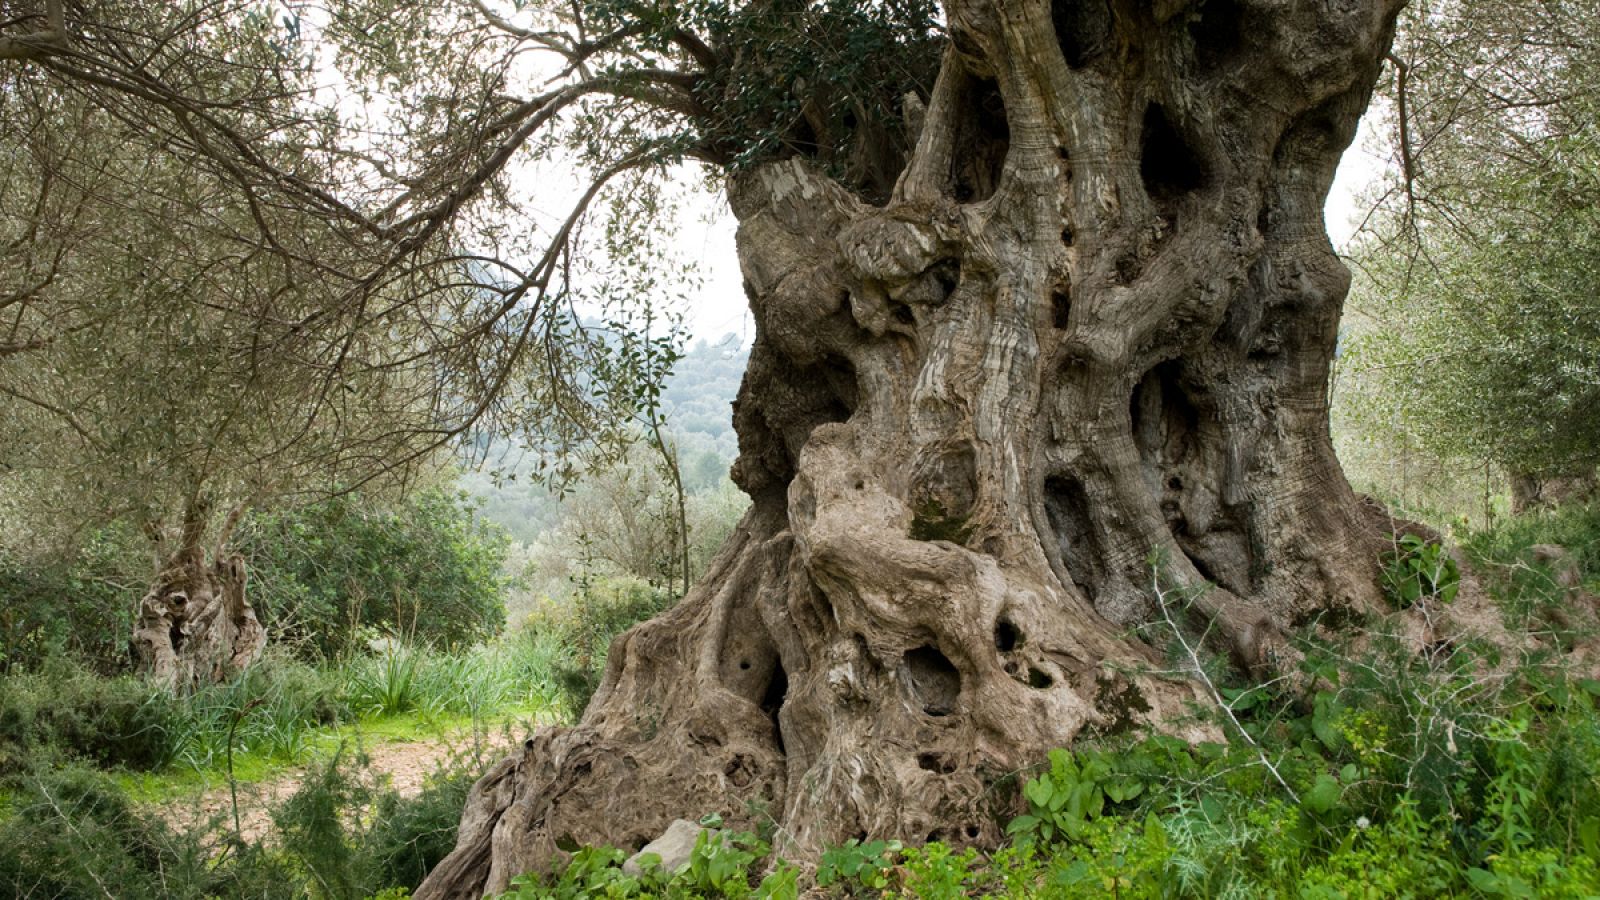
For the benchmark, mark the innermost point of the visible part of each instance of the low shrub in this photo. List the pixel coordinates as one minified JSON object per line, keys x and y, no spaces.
{"x":79,"y":603}
{"x":326,"y":576}
{"x":278,"y":702}
{"x":64,"y":710}
{"x":71,"y":832}
{"x":584,"y":628}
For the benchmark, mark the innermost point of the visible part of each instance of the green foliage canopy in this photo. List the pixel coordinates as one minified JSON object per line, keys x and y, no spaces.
{"x":1480,"y":332}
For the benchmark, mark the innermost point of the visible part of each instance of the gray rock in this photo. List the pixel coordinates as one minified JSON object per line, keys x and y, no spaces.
{"x":674,"y":847}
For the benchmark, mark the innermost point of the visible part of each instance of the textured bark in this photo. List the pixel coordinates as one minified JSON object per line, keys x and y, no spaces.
{"x":196,"y":626}
{"x":1530,"y":491}
{"x":1091,"y":328}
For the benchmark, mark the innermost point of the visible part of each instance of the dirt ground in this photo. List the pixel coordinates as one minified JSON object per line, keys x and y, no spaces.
{"x":402,"y":764}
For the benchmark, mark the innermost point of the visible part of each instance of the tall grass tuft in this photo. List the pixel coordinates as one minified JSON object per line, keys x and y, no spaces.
{"x":386,"y":684}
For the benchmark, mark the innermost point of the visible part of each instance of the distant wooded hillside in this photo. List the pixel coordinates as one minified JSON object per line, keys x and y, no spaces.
{"x":696,"y":401}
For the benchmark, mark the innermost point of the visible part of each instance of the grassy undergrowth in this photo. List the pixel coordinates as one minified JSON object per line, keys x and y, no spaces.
{"x":1375,"y":772}
{"x":92,"y":767}
{"x":322,"y":743}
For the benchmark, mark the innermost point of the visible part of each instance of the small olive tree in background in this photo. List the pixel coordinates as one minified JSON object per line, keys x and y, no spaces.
{"x":1477,"y":339}
{"x":203,"y":314}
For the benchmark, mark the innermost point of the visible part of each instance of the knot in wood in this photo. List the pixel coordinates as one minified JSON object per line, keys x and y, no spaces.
{"x":889,"y":250}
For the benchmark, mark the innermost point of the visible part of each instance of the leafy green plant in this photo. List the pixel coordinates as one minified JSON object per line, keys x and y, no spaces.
{"x":1074,"y":792}
{"x":938,"y":872}
{"x":1417,"y":569}
{"x":720,"y":865}
{"x":386,"y":684}
{"x":64,"y":710}
{"x":864,"y":863}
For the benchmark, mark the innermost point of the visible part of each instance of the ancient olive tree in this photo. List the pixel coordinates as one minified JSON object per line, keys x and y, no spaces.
{"x":1066,"y":310}
{"x":1042,"y":295}
{"x":1479,"y":276}
{"x":155,"y":381}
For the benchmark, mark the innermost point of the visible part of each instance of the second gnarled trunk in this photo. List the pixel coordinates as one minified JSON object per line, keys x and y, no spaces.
{"x":1090,"y":331}
{"x":196,"y":626}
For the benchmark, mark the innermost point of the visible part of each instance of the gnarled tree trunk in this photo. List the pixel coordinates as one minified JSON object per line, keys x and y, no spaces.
{"x":1535,"y":490}
{"x":1091,"y":329}
{"x":196,"y":626}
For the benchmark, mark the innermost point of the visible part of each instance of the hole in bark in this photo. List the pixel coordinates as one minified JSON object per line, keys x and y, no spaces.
{"x":1128,"y":268}
{"x":988,"y":136}
{"x":1217,"y":33}
{"x":739,"y":771}
{"x":772,"y":700}
{"x":1083,"y":29}
{"x":1039,"y":679}
{"x":1202,"y":567}
{"x":935,"y":680}
{"x":1066,"y":236}
{"x":1264,"y":221}
{"x":1315,"y":133}
{"x":972,"y":832}
{"x":1165,"y":421}
{"x":1007,"y":636}
{"x":861,"y":485}
{"x":904,"y":315}
{"x":936,"y":762}
{"x":1166,"y":163}
{"x":1066,"y":505}
{"x":744,"y":664}
{"x":944,"y":485}
{"x":1175,"y":483}
{"x":948,"y":275}
{"x":175,"y":634}
{"x":840,"y":377}
{"x":1060,"y":306}
{"x":930,"y":521}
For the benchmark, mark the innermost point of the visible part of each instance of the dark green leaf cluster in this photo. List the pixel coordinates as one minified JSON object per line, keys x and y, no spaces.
{"x":325,"y":577}
{"x":722,"y":865}
{"x":81,"y":604}
{"x":1416,"y":569}
{"x":819,"y":79}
